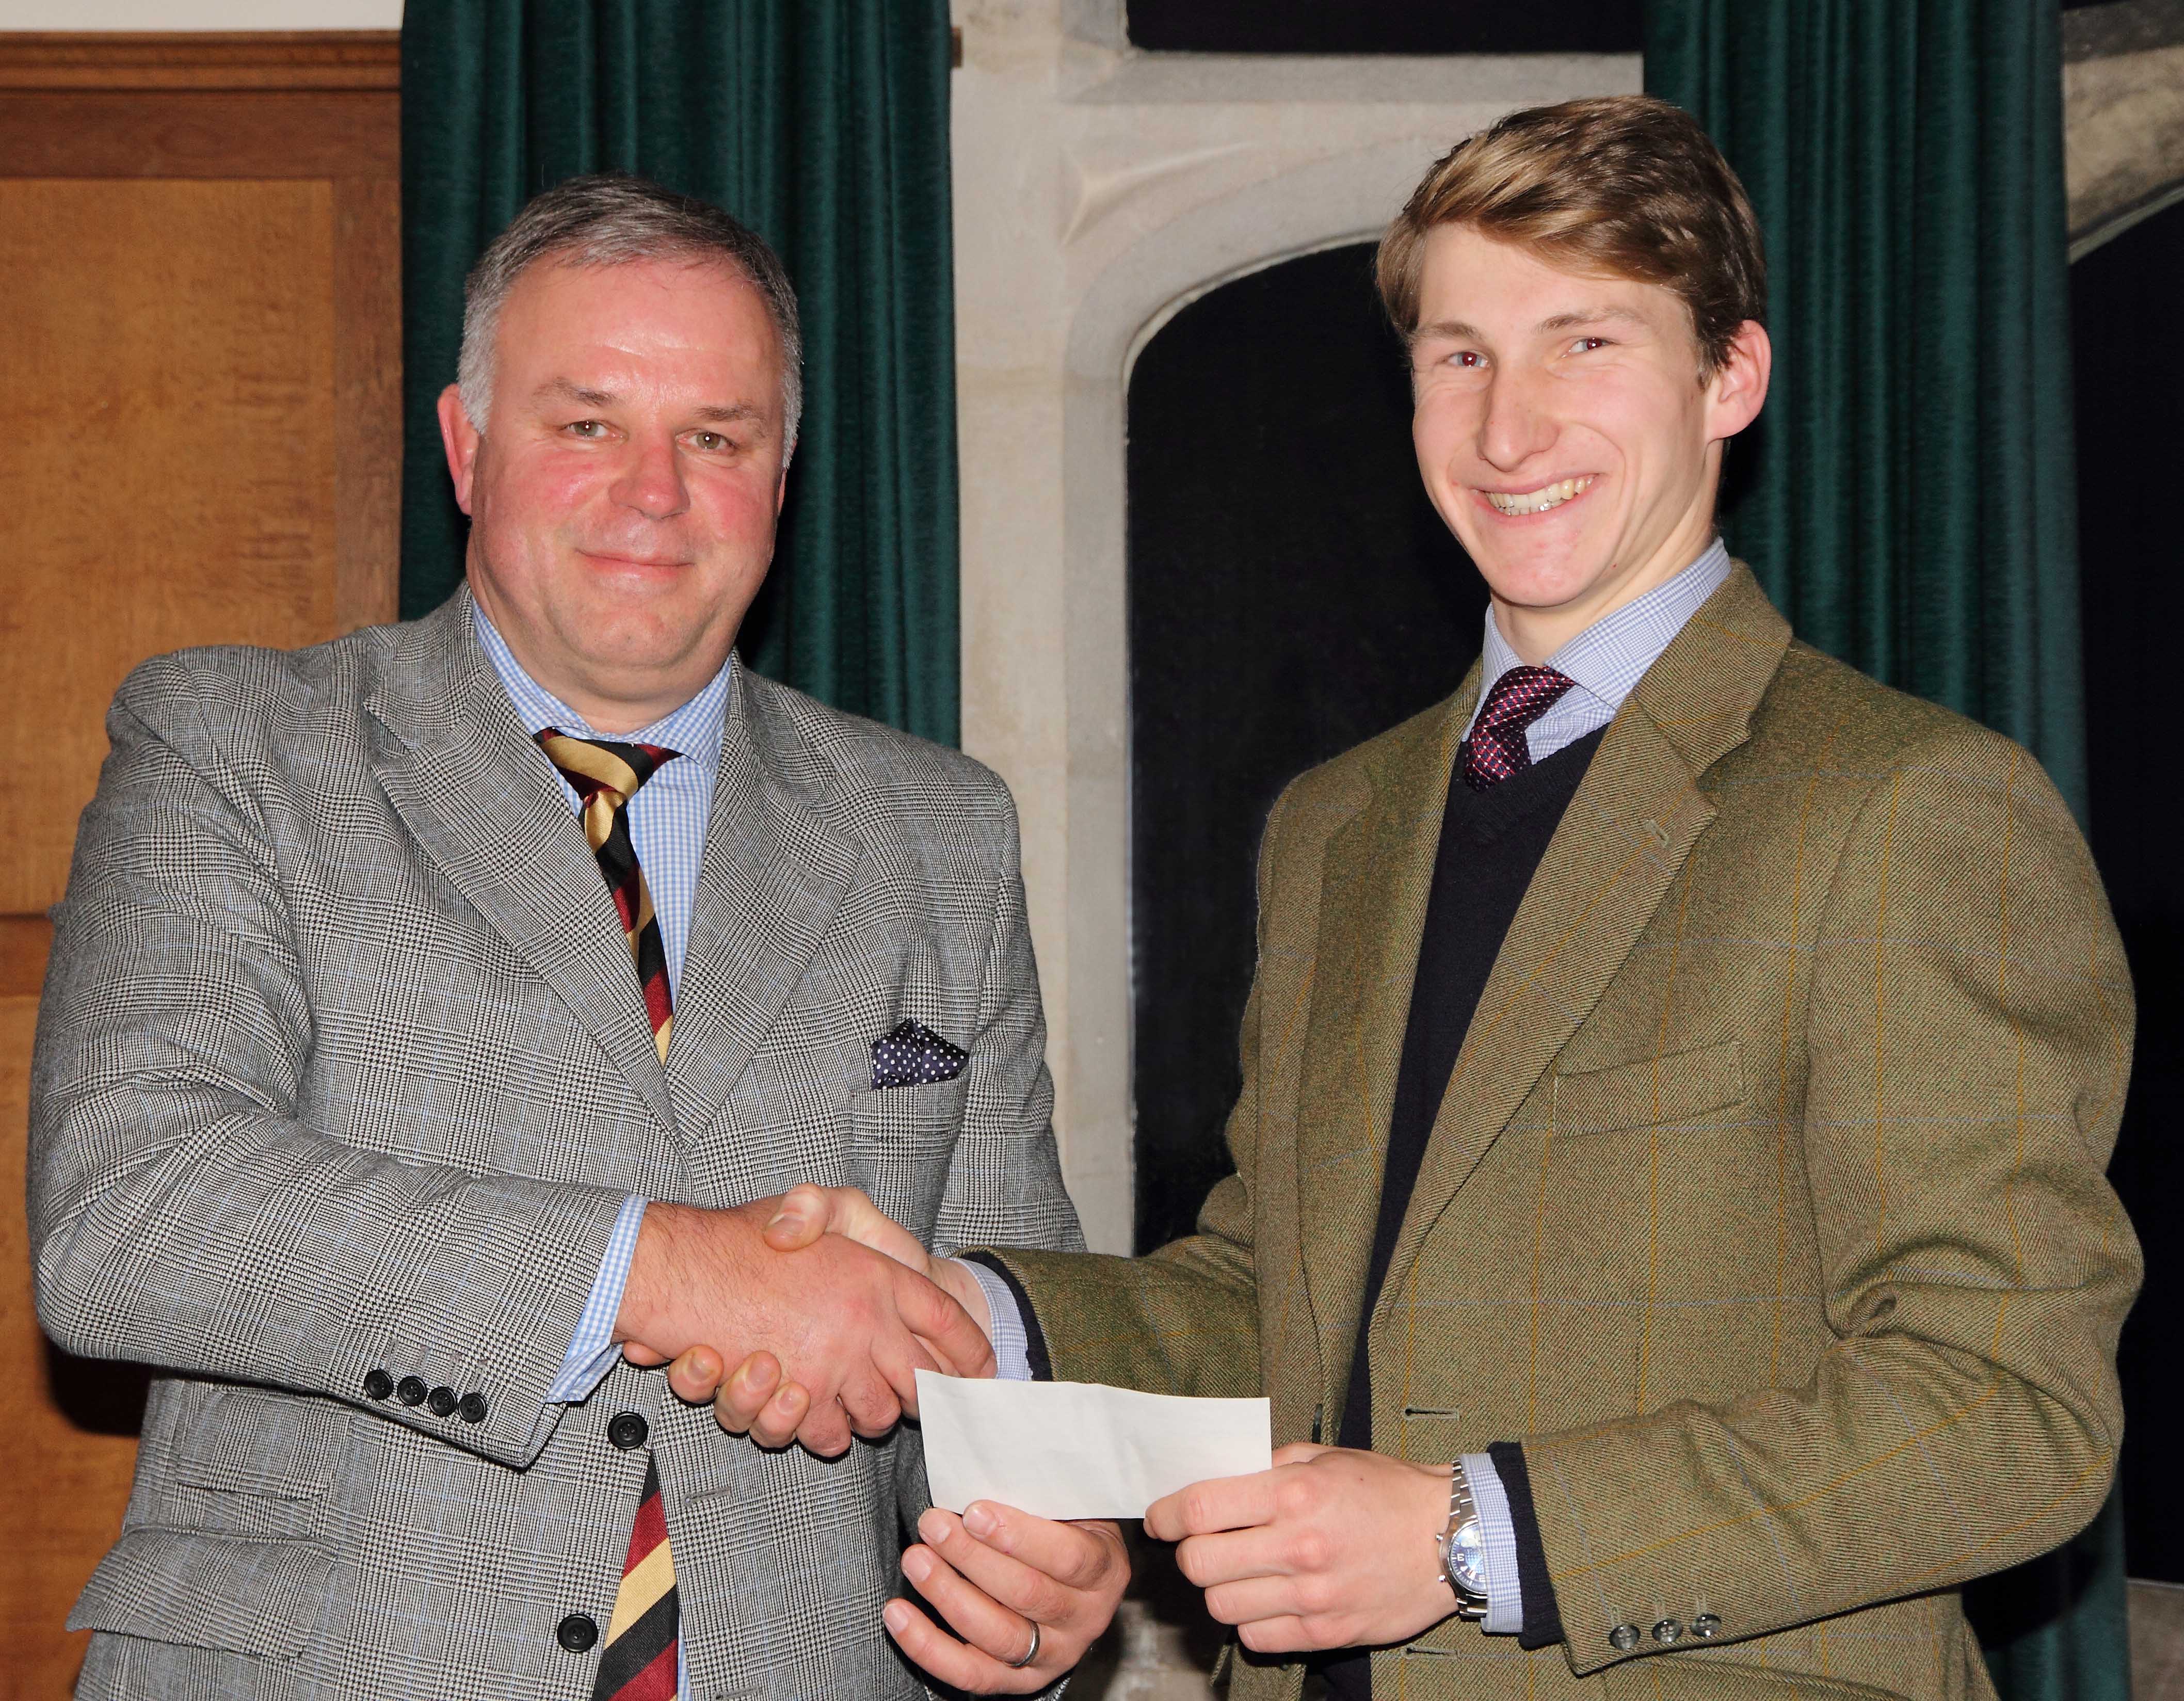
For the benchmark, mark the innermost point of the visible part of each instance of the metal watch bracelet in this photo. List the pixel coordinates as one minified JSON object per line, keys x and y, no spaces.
{"x":1471,"y":1604}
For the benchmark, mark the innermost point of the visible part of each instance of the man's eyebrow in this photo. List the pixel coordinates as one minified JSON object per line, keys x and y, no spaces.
{"x":1448,"y":330}
{"x":723,"y":413}
{"x":568,"y":390}
{"x":1596,"y":315}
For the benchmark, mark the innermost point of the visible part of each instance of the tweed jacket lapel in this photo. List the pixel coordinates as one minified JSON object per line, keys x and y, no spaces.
{"x":1377,"y":875}
{"x":774,"y":871}
{"x":482,"y":802}
{"x":1620,"y":846}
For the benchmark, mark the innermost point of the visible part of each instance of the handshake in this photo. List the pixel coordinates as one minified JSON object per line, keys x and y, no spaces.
{"x":831,"y":1310}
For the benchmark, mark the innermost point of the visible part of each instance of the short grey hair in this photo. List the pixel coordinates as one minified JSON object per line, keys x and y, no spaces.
{"x":612,"y":217}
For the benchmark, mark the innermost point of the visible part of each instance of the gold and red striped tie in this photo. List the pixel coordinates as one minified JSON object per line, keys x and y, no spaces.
{"x":606,"y":776}
{"x":639,"y":1661}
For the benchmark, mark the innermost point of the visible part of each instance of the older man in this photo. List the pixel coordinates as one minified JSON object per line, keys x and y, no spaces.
{"x":432,"y":1013}
{"x":1679,"y":1071}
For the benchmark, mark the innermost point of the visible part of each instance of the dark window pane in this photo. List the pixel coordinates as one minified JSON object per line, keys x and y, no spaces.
{"x":1386,"y":26}
{"x":1291,"y":593}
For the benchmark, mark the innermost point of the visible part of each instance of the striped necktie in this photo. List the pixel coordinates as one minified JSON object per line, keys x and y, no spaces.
{"x":606,"y":776}
{"x":640,"y":1659}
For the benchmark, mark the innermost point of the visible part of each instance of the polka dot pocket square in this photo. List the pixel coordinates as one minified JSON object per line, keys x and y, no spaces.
{"x":912,"y":1055}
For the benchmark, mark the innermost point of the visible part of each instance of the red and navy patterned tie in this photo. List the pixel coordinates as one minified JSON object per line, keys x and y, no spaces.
{"x":606,"y":776}
{"x":1497,"y":747}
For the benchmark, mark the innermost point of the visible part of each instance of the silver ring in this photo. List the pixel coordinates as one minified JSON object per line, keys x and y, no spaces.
{"x":1030,"y":1653}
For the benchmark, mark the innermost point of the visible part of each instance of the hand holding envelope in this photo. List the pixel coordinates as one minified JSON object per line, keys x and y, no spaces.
{"x":1069,"y":1450}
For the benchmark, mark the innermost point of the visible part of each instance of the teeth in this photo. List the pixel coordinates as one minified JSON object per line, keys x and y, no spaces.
{"x":1537,"y":501}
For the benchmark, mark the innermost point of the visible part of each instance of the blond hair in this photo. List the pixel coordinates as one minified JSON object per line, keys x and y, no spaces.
{"x":1622,"y":185}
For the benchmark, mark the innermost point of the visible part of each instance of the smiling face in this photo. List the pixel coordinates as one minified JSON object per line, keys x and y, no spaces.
{"x":624,"y":493}
{"x":1563,"y":431}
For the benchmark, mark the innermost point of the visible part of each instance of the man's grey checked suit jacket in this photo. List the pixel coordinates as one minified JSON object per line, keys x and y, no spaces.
{"x":342,"y":1067}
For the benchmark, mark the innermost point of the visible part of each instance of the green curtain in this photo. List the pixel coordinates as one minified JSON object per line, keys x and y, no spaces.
{"x":1908,"y":498}
{"x":822,"y":124}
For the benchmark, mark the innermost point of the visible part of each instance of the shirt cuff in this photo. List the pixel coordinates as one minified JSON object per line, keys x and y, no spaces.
{"x":1012,"y":1341}
{"x":592,"y":1350}
{"x":1505,"y":1592}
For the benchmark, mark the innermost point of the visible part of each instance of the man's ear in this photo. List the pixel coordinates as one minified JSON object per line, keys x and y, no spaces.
{"x":1738,"y":389}
{"x":460,"y":440}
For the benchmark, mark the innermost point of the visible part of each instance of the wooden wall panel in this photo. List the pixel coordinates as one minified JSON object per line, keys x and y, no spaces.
{"x":71,"y":1430}
{"x":177,"y":338}
{"x":200,"y":250}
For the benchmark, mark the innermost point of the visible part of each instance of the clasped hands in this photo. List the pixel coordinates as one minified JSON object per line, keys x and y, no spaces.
{"x":1332,"y":1548}
{"x":832,"y":1330}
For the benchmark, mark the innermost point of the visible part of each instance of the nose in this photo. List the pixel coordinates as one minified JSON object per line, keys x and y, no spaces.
{"x":651,"y":481}
{"x":1515,"y":426}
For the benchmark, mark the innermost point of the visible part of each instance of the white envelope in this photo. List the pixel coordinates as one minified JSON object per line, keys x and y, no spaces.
{"x":1079,"y":1449}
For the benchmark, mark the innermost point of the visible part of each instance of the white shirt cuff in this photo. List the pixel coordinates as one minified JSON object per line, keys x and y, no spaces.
{"x":592,"y":1350}
{"x":1505,"y":1594}
{"x":1012,"y":1340}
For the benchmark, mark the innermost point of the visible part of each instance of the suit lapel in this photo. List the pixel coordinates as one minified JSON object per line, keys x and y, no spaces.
{"x":774,"y":871}
{"x":483,"y":803}
{"x":1376,"y":877}
{"x":1620,"y":846}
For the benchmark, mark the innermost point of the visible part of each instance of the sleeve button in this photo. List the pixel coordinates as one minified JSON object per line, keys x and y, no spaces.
{"x":410,"y":1390}
{"x":1706,"y":1624}
{"x":377,"y":1384}
{"x":442,"y":1400}
{"x":472,"y":1408}
{"x":1669,"y":1629}
{"x":577,"y":1633}
{"x":1623,"y":1638}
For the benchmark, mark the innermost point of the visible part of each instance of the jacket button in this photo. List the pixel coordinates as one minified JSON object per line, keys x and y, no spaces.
{"x":577,"y":1633}
{"x":627,"y":1429}
{"x":377,"y":1384}
{"x":1623,"y":1638}
{"x":472,"y":1408}
{"x":442,"y":1400}
{"x":410,"y":1390}
{"x":1668,"y":1630}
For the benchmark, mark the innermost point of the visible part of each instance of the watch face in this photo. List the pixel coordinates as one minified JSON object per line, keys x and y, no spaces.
{"x":1467,"y":1556}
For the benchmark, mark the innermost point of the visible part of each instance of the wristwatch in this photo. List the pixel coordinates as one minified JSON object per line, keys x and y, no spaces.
{"x":1462,"y":1545}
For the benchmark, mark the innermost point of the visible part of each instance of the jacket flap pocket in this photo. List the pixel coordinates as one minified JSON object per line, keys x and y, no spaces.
{"x":1651,"y":1092}
{"x":236,"y":1593}
{"x":256,"y":1441}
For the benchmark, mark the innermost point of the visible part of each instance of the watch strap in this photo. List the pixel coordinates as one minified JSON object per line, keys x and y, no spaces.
{"x":1462,"y":1508}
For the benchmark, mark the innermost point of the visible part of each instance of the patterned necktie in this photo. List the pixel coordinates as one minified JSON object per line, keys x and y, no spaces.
{"x":640,"y":1661}
{"x":1497,"y":747}
{"x":606,"y":776}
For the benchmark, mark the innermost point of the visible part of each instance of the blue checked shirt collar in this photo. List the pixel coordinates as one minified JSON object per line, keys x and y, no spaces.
{"x":668,"y":816}
{"x":1608,"y":658}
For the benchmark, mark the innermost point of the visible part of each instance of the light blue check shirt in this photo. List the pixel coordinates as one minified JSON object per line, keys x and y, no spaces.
{"x":1605,"y":662}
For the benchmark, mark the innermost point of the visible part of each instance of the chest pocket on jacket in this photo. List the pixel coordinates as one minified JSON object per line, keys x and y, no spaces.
{"x":901,"y":1142}
{"x":1665,"y":1093}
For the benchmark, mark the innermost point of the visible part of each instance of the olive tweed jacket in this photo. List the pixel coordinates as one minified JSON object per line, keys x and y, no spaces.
{"x":1765,"y":1206}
